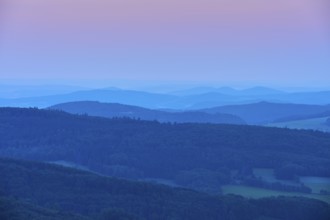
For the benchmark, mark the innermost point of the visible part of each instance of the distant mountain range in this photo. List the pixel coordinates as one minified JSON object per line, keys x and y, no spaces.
{"x":144,"y":99}
{"x":111,"y":110}
{"x":20,"y":91}
{"x":193,"y":99}
{"x":254,"y":91}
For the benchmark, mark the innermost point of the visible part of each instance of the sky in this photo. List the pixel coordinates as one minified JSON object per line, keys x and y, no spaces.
{"x":274,"y":42}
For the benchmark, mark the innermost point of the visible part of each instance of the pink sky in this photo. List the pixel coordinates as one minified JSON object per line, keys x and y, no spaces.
{"x":161,"y":29}
{"x":149,"y":17}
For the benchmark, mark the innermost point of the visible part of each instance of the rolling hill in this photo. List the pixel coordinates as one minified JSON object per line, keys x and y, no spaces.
{"x":266,"y":112}
{"x":111,"y":110}
{"x":200,"y":156}
{"x":317,"y":124}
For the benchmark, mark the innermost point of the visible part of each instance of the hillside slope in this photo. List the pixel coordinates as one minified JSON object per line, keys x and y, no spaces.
{"x":141,"y":149}
{"x":98,"y":197}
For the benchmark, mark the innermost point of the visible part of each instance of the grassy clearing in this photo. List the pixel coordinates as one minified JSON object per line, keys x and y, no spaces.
{"x":253,"y":192}
{"x":269,"y":176}
{"x":312,"y":124}
{"x":316,"y":183}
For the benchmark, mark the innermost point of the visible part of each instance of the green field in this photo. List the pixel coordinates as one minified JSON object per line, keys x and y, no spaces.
{"x":312,"y":124}
{"x":315,"y":183}
{"x":255,"y":193}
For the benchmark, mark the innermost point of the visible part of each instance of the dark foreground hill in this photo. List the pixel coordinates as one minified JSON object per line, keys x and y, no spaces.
{"x":138,"y":149}
{"x":111,"y":110}
{"x":31,"y":190}
{"x":16,"y":209}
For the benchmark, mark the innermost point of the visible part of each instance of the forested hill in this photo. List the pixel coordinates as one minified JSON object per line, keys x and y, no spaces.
{"x":30,"y":190}
{"x":267,"y":112}
{"x":141,"y":149}
{"x":111,"y":110}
